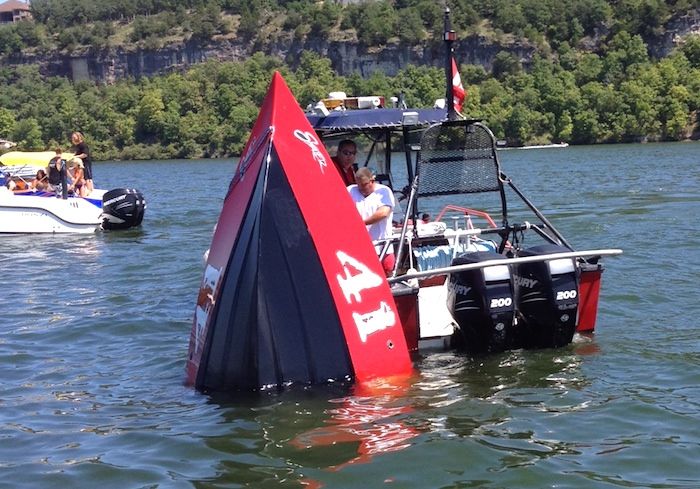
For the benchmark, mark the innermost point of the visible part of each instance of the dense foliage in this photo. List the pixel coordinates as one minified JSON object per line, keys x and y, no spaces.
{"x":548,"y":22}
{"x":611,"y":94}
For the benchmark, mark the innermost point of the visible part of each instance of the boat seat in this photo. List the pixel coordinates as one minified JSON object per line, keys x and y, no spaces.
{"x":430,"y":257}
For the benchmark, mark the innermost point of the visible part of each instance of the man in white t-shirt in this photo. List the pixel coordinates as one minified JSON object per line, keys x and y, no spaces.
{"x":375,"y":203}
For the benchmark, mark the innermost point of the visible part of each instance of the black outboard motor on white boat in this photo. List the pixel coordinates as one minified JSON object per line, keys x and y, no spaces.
{"x":547,"y":297}
{"x":482,"y":303}
{"x":122,"y":208}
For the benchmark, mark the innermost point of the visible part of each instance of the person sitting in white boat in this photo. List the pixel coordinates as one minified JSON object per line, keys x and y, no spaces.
{"x":40,"y":182}
{"x":6,"y":181}
{"x":375,"y":203}
{"x":58,"y":175}
{"x":76,"y":172}
{"x":344,"y":160}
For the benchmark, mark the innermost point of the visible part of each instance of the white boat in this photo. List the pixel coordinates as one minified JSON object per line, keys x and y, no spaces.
{"x":23,"y":210}
{"x":465,"y":279}
{"x":6,"y":144}
{"x":538,"y":146}
{"x":39,"y":213}
{"x":29,"y":212}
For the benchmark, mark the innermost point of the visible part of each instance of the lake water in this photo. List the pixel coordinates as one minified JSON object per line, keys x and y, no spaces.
{"x":94,"y":333}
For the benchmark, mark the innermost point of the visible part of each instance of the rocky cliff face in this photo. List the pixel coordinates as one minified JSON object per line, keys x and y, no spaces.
{"x":346,"y":58}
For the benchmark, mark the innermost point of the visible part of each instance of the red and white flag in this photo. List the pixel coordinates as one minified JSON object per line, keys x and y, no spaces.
{"x":458,"y":92}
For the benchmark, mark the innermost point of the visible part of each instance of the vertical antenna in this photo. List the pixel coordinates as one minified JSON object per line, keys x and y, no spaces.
{"x":449,"y":37}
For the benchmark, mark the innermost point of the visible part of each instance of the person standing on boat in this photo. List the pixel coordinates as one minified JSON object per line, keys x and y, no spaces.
{"x":375,"y":203}
{"x":344,"y":160}
{"x":58,"y":177}
{"x":82,"y":151}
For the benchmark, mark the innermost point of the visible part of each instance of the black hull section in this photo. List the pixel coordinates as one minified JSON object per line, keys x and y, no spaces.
{"x":275,"y":322}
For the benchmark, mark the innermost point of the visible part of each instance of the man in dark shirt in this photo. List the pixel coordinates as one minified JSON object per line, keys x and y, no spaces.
{"x":57,"y":174}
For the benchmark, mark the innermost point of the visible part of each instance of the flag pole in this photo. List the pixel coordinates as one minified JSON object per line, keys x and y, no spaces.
{"x":449,"y":37}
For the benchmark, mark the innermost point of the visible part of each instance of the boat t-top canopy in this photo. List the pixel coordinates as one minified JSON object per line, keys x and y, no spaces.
{"x":30,"y":158}
{"x":339,"y":121}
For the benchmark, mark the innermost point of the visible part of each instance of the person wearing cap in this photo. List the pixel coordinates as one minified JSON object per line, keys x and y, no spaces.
{"x":344,"y":160}
{"x":375,"y":203}
{"x":76,"y":171}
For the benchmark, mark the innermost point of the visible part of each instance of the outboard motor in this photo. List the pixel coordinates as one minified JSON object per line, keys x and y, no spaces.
{"x":122,"y":208}
{"x":482,"y":303}
{"x":547,"y":297}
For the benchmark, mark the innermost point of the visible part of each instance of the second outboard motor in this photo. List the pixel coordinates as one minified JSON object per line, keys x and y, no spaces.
{"x":547,"y":298}
{"x":122,"y":208}
{"x":481,"y":302}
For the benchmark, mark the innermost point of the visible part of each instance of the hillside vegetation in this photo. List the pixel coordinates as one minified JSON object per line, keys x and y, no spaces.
{"x":592,"y":81}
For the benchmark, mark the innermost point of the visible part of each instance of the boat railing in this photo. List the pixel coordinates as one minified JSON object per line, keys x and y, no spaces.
{"x":435,"y":244}
{"x":424,"y":274}
{"x":467,"y":212}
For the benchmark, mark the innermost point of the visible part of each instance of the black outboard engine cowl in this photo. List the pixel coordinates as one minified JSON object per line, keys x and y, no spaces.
{"x":122,"y":208}
{"x":547,"y":297}
{"x":482,"y":303}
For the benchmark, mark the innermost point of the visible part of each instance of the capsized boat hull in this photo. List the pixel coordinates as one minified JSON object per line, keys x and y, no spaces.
{"x":286,"y":297}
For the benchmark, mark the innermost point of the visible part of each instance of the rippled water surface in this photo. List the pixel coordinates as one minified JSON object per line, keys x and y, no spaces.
{"x":94,"y":332}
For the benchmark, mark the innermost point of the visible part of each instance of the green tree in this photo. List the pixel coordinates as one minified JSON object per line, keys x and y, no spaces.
{"x":691,"y":49}
{"x":585,"y":127}
{"x":27,"y":134}
{"x":505,"y":64}
{"x":642,"y":117}
{"x":624,"y":51}
{"x":377,"y":23}
{"x":150,"y":113}
{"x":518,"y":124}
{"x":7,"y":122}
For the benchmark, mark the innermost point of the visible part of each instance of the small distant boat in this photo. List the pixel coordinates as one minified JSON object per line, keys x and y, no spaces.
{"x":6,"y":144}
{"x":538,"y":146}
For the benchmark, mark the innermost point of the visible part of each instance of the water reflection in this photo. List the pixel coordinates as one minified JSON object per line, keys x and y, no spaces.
{"x":302,"y":437}
{"x":372,"y":418}
{"x":294,"y":437}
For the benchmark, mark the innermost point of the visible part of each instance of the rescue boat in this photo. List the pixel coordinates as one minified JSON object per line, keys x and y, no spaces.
{"x":293,"y":290}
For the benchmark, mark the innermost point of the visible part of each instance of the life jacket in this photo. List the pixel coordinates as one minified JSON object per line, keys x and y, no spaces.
{"x":57,"y":171}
